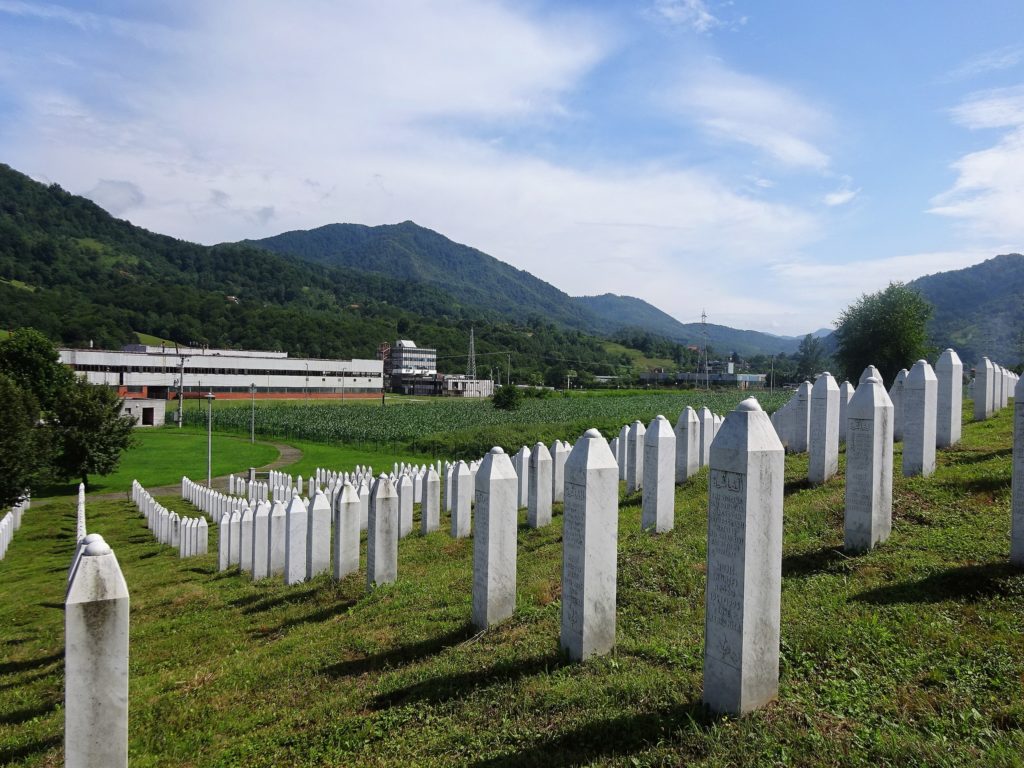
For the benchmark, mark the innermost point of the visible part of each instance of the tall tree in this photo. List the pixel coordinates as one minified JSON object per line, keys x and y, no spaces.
{"x":24,"y":447}
{"x":887,"y":329}
{"x":32,"y":362}
{"x":811,"y":357}
{"x":89,"y":431}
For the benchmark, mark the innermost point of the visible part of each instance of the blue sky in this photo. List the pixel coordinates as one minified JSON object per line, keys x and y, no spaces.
{"x":767,"y":162}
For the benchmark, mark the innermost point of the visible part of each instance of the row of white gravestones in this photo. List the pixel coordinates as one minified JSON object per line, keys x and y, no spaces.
{"x":96,"y":618}
{"x":992,"y":388}
{"x":10,"y":523}
{"x":189,"y":535}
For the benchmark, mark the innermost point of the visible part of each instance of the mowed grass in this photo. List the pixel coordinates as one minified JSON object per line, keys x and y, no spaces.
{"x":910,"y":655}
{"x":163,"y":455}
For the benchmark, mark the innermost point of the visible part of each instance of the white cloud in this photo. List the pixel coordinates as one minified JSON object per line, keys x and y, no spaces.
{"x":990,"y":61}
{"x":264,"y":121}
{"x":988,"y":194}
{"x":688,"y":13}
{"x":841,"y":196}
{"x":742,"y":108}
{"x":116,"y":196}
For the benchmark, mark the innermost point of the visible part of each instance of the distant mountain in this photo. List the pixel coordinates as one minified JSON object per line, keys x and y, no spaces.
{"x":415,"y":254}
{"x":979,"y":310}
{"x":627,"y":311}
{"x":70,"y":269}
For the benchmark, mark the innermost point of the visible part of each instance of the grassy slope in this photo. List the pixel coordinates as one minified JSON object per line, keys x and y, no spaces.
{"x":640,"y":362}
{"x":910,"y":655}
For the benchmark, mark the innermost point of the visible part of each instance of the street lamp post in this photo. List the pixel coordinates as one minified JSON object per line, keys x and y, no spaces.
{"x":210,"y":397}
{"x":252,"y":420}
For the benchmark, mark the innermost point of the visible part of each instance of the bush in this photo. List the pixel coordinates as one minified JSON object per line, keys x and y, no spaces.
{"x":508,"y":398}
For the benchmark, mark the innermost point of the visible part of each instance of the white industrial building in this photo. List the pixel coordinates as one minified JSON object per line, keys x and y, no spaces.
{"x":140,"y":371}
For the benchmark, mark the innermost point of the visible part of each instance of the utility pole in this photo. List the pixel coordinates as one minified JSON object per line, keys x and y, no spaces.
{"x":471,"y":364}
{"x":210,"y":397}
{"x":181,"y":390}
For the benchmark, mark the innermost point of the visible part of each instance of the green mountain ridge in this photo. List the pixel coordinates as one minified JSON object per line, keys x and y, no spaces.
{"x":979,"y":310}
{"x":73,"y":271}
{"x":408,"y":251}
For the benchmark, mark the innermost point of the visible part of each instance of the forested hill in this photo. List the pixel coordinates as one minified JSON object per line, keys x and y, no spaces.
{"x":412,"y":253}
{"x":636,"y":313}
{"x":76,"y":273}
{"x":979,"y":310}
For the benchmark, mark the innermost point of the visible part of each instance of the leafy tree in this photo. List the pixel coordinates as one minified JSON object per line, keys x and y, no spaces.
{"x":24,"y":448}
{"x":886,"y":329}
{"x":89,"y":431}
{"x":32,"y":362}
{"x":507,"y":398}
{"x":811,"y":358}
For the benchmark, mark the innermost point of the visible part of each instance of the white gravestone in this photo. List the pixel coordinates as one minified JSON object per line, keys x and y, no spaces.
{"x":868,"y":515}
{"x":430,"y":508}
{"x":658,"y":511}
{"x":261,"y":541}
{"x":96,"y":611}
{"x":845,"y":395}
{"x":949,"y":409}
{"x":984,"y":375}
{"x":823,"y":434}
{"x":706,"y":420}
{"x":1017,"y":488}
{"x":245,"y":528}
{"x":559,"y":453}
{"x":522,"y":467}
{"x":494,"y":541}
{"x":622,"y":456}
{"x":346,"y":532}
{"x":687,"y":433}
{"x":589,"y":548}
{"x":462,"y":490}
{"x":224,"y":543}
{"x":318,"y":536}
{"x":635,"y":457}
{"x":278,"y":539}
{"x":801,"y":419}
{"x":538,"y":503}
{"x":295,"y":537}
{"x":744,"y":567}
{"x":406,"y":497}
{"x":202,"y":537}
{"x":920,"y":395}
{"x":896,"y":393}
{"x":382,"y":540}
{"x":364,"y":504}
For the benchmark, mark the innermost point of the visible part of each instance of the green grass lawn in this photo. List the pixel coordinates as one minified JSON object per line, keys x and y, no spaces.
{"x":163,"y":455}
{"x":911,"y":655}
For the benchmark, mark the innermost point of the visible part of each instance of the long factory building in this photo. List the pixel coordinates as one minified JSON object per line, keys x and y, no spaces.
{"x":141,"y":371}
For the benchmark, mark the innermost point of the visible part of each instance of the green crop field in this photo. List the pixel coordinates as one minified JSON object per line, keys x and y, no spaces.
{"x":910,"y":655}
{"x":466,"y":428}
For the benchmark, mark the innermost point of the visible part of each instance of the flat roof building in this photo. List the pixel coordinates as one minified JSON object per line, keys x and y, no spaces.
{"x":141,"y":371}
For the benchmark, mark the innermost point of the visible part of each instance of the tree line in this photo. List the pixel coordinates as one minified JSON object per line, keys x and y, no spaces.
{"x":54,"y":426}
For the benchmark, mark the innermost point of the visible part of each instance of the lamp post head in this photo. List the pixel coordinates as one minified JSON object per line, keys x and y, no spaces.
{"x":211,"y":396}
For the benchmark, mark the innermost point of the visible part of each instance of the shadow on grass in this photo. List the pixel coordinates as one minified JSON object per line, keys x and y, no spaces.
{"x":824,"y":560}
{"x":403,"y":654}
{"x":288,"y":598}
{"x":965,"y":584}
{"x":10,"y":754}
{"x":988,"y":485}
{"x":10,"y":667}
{"x":441,"y":689}
{"x":24,"y":715}
{"x":977,"y":457}
{"x":792,"y":486}
{"x":57,"y":606}
{"x":317,"y":616}
{"x":613,"y":737}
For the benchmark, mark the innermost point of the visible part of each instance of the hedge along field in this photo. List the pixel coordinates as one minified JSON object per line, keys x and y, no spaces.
{"x":463,"y":428}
